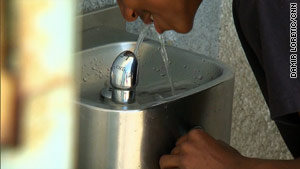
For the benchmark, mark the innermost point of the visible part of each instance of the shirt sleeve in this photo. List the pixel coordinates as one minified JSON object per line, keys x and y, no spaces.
{"x":264,"y":29}
{"x":274,"y":21}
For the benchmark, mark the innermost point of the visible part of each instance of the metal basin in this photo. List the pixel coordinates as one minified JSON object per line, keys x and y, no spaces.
{"x":134,"y":136}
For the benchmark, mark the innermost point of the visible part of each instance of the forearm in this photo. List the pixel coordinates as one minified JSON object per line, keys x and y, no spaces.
{"x":252,"y":163}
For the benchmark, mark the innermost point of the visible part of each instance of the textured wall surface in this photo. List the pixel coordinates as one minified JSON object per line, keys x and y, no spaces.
{"x":253,"y":132}
{"x":86,"y":6}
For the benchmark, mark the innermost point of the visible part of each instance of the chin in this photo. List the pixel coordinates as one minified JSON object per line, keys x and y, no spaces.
{"x":184,"y":28}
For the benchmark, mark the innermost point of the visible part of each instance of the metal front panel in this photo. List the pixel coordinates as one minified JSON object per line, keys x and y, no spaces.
{"x":137,"y":139}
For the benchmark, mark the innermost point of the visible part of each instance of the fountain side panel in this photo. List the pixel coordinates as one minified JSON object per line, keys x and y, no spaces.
{"x":137,"y":139}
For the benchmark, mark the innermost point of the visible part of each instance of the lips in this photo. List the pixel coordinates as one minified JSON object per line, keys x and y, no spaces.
{"x":160,"y":31}
{"x":148,"y":19}
{"x":151,"y":17}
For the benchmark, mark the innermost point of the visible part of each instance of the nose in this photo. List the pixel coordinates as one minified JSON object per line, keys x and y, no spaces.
{"x":129,"y":14}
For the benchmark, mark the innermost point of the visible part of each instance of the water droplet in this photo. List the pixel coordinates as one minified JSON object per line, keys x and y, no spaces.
{"x":94,"y":68}
{"x":158,"y":70}
{"x":185,"y":66}
{"x":163,"y":74}
{"x":200,"y":77}
{"x":84,"y":79}
{"x":154,"y":68}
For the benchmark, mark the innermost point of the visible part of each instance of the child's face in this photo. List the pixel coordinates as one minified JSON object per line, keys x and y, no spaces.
{"x":175,"y":15}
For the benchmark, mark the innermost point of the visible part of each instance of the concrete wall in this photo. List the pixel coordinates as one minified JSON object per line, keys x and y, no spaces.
{"x":86,"y":6}
{"x":253,"y":132}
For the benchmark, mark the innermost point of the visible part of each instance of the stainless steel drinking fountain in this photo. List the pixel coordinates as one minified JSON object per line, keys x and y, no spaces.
{"x":136,"y":135}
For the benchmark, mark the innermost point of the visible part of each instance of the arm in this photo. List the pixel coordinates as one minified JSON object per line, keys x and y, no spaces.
{"x":198,"y":150}
{"x":271,"y":164}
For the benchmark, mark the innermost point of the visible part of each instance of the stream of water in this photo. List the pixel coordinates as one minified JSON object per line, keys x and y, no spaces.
{"x":163,"y":52}
{"x":140,"y":39}
{"x":165,"y":58}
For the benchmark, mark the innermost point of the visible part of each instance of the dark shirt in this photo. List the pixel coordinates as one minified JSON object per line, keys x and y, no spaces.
{"x":263,"y":27}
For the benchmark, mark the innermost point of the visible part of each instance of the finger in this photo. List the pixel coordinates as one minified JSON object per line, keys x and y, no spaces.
{"x":182,"y":139}
{"x":169,"y":161}
{"x":175,"y":151}
{"x":199,"y":134}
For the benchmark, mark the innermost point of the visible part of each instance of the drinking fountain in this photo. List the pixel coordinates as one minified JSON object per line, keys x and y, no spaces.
{"x":129,"y":117}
